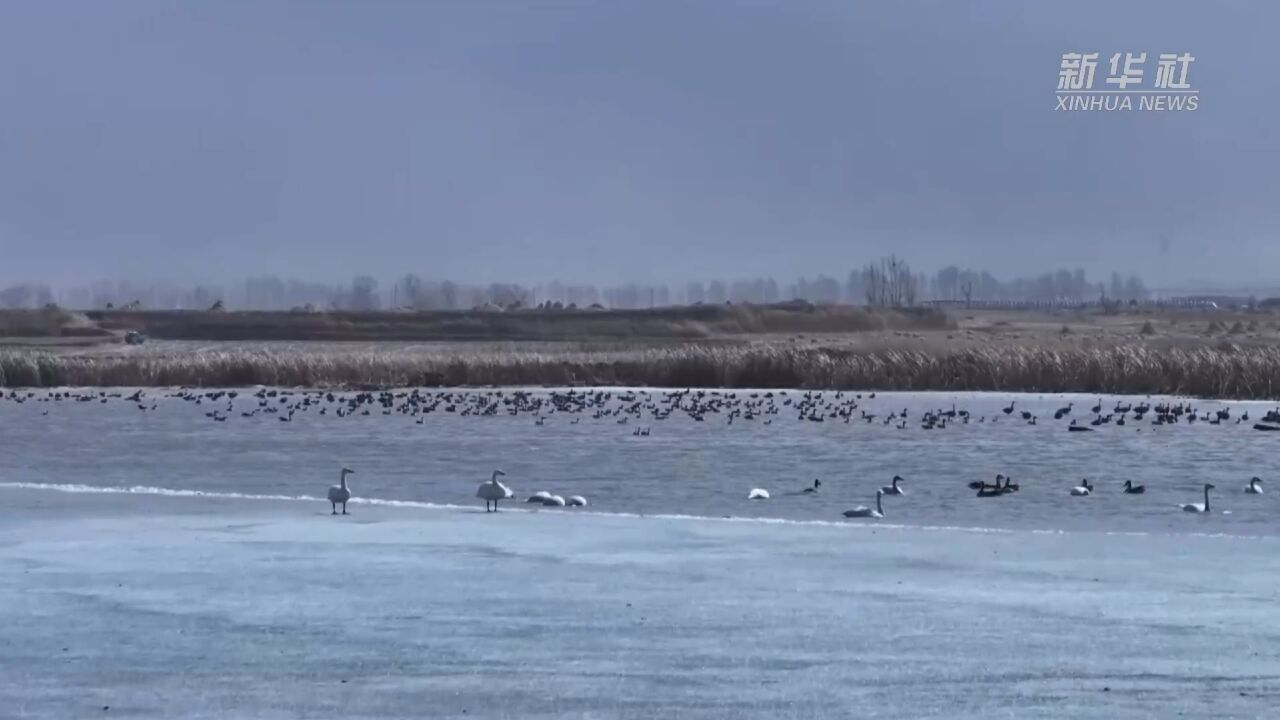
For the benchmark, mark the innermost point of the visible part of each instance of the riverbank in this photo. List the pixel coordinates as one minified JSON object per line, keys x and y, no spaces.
{"x":203,"y":607}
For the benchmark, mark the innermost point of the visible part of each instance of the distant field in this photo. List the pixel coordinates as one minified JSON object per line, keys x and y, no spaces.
{"x":673,"y":323}
{"x":1218,"y":354}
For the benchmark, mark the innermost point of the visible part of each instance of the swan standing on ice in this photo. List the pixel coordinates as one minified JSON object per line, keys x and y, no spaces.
{"x":1197,"y":507}
{"x":758,"y":494}
{"x":493,"y":491}
{"x":894,"y":489}
{"x":1084,"y":488}
{"x":1255,"y":486}
{"x":340,"y":493}
{"x":864,"y":511}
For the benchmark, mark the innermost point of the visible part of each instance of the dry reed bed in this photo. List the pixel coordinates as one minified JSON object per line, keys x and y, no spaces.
{"x":1225,"y":372}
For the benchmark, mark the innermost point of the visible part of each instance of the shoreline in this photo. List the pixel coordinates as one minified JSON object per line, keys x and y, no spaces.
{"x":272,"y":503}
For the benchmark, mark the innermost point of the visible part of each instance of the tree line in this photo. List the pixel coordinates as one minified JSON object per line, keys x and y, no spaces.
{"x":889,"y":281}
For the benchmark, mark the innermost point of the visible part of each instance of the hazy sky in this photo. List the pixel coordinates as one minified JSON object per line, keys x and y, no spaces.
{"x":648,"y":141}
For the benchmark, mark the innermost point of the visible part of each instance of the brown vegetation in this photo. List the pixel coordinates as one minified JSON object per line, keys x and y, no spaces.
{"x":1226,"y":371}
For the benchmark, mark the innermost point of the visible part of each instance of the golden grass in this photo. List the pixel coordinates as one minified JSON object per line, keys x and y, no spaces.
{"x":1224,"y":371}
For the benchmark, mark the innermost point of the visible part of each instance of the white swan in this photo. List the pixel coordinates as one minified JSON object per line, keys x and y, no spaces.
{"x":1084,"y":488}
{"x":554,"y":501}
{"x":541,"y":497}
{"x":577,"y":501}
{"x":864,"y":511}
{"x":758,"y":494}
{"x":1255,"y":486}
{"x":1197,"y":507}
{"x":340,"y":493}
{"x":894,"y":489}
{"x":493,"y":491}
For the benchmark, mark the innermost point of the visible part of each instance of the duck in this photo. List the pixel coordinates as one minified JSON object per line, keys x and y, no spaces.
{"x":1084,"y":488}
{"x":339,"y":494}
{"x":1131,"y":489}
{"x":1254,"y":487}
{"x":1197,"y":507}
{"x":866,"y":512}
{"x":894,"y":489}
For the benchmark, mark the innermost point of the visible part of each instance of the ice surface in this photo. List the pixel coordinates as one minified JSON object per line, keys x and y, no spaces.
{"x":205,"y":607}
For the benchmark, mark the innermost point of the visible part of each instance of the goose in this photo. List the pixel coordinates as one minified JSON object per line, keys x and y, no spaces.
{"x":758,"y":494}
{"x":864,"y":511}
{"x":894,"y":489}
{"x":1084,"y":488}
{"x":577,"y":501}
{"x":1197,"y":507}
{"x":541,"y":497}
{"x":1131,"y":489}
{"x":1255,"y":486}
{"x":340,"y":493}
{"x":493,"y":491}
{"x":992,"y":490}
{"x":979,"y":484}
{"x":816,"y":484}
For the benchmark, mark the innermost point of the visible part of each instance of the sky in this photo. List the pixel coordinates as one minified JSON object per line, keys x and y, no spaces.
{"x":653,"y":141}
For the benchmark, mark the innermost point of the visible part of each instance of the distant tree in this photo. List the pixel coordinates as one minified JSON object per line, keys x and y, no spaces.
{"x":408,"y":292}
{"x":364,"y":294}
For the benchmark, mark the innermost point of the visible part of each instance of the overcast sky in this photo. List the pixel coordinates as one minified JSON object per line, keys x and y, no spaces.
{"x":648,"y":141}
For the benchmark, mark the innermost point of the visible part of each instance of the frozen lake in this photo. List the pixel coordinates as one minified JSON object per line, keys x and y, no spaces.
{"x":161,"y":563}
{"x":135,"y":605}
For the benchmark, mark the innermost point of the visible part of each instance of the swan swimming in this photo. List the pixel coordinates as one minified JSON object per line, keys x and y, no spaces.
{"x":340,"y":493}
{"x":758,"y":494}
{"x":864,"y":511}
{"x":1131,"y":489}
{"x":493,"y":491}
{"x":1255,"y":486}
{"x":1197,"y":507}
{"x":1084,"y":488}
{"x":816,"y":484}
{"x":894,"y":489}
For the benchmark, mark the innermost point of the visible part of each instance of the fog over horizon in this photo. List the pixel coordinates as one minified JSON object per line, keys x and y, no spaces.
{"x":611,"y":143}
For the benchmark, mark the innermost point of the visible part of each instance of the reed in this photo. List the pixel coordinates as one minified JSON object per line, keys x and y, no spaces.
{"x":1224,"y":371}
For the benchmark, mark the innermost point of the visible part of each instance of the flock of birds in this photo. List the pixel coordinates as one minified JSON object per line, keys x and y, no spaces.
{"x":634,"y":407}
{"x":494,"y":491}
{"x":624,"y":407}
{"x":1003,"y":486}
